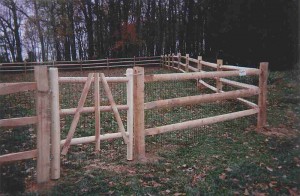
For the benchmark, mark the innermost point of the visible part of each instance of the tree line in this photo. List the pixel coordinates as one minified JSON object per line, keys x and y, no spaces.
{"x":244,"y":32}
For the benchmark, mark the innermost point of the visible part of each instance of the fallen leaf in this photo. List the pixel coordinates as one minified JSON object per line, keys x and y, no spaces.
{"x":179,"y":194}
{"x":155,"y":184}
{"x":256,"y":193}
{"x":294,"y":192}
{"x":199,"y":177}
{"x":269,"y":169}
{"x":272,"y":184}
{"x":235,"y":180}
{"x":222,"y":176}
{"x":246,"y":192}
{"x":228,"y":169}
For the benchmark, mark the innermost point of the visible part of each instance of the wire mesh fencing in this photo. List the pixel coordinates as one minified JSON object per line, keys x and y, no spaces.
{"x":69,"y":96}
{"x":16,"y":177}
{"x":22,"y":104}
{"x":177,"y":114}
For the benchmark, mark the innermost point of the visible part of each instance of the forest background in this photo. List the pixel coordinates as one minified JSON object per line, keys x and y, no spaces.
{"x":241,"y":32}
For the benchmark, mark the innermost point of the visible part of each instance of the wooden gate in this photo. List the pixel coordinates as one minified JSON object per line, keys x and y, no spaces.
{"x":126,"y":135}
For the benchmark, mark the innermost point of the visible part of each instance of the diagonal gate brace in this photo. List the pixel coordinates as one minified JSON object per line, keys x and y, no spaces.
{"x":82,"y":99}
{"x":114,"y":107}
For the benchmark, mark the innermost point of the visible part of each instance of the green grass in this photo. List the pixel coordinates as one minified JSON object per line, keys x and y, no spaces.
{"x":221,"y":159}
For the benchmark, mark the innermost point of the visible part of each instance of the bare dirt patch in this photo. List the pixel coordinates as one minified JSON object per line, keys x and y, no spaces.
{"x":96,"y":164}
{"x":281,"y":132}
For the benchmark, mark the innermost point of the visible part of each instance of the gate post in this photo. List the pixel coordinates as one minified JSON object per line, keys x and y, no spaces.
{"x":43,"y":124}
{"x":262,"y":96}
{"x":139,"y":121}
{"x":129,"y":75}
{"x":55,"y":124}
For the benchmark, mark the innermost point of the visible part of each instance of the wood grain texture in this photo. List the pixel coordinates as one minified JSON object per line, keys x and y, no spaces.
{"x":199,"y":122}
{"x":18,"y":156}
{"x":10,"y":88}
{"x":129,"y":74}
{"x":198,"y":99}
{"x":97,"y":112}
{"x":16,"y":122}
{"x":43,"y":124}
{"x":139,"y":115}
{"x":262,"y":97}
{"x":55,"y":124}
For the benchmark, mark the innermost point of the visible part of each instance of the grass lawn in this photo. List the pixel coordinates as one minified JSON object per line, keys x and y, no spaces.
{"x":222,"y":159}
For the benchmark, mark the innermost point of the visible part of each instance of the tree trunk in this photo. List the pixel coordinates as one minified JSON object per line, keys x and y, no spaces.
{"x":39,"y":29}
{"x":16,"y":32}
{"x":87,"y":12}
{"x":72,"y":29}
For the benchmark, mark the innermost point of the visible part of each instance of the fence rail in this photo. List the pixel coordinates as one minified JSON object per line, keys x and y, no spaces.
{"x":198,"y":73}
{"x":82,"y":65}
{"x":135,"y":106}
{"x":42,"y":152}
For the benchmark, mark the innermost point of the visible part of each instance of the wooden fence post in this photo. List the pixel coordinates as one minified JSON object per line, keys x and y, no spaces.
{"x":139,"y":124}
{"x":97,"y":111}
{"x":43,"y":124}
{"x":187,"y":63}
{"x":107,"y":63}
{"x":199,"y":67}
{"x":133,"y":61}
{"x":80,"y":64}
{"x":262,"y":96}
{"x":179,"y":60}
{"x":55,"y":124}
{"x":168,"y":61}
{"x":25,"y":66}
{"x":172,"y":59}
{"x":161,"y":60}
{"x":129,"y":75}
{"x":218,"y":82}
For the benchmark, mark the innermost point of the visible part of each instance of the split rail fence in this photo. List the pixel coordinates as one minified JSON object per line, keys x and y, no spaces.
{"x":135,"y":79}
{"x":82,"y":64}
{"x":42,"y":121}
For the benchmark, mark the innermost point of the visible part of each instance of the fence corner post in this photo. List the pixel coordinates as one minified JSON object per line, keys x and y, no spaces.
{"x":43,"y":124}
{"x":55,"y":124}
{"x":262,"y":96}
{"x":218,"y":82}
{"x":139,"y":121}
